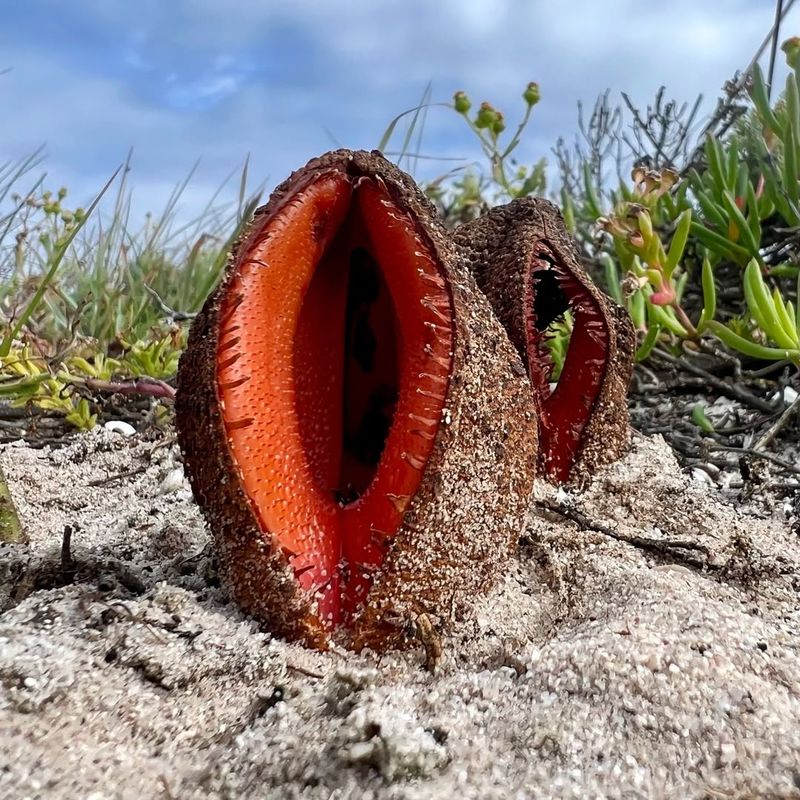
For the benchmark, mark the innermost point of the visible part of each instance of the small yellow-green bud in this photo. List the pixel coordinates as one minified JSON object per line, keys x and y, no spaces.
{"x":646,"y":225}
{"x":499,"y":125}
{"x":62,"y":192}
{"x":486,"y":116}
{"x":461,"y":102}
{"x":654,"y":276}
{"x":791,"y":47}
{"x":532,"y":95}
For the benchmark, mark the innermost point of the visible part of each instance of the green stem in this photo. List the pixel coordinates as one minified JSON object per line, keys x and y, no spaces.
{"x":520,"y":128}
{"x":684,"y":320}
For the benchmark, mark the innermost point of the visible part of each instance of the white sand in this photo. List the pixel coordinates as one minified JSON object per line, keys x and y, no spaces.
{"x":596,"y":669}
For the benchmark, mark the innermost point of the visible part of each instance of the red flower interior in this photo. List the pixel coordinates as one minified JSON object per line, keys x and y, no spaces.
{"x":550,"y":290}
{"x":333,"y":366}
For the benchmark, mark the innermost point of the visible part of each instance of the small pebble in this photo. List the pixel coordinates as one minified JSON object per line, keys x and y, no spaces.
{"x":701,"y":476}
{"x":653,"y":662}
{"x":678,"y":569}
{"x":172,"y":482}
{"x":727,"y":753}
{"x":118,"y":426}
{"x":788,"y":395}
{"x":361,"y":751}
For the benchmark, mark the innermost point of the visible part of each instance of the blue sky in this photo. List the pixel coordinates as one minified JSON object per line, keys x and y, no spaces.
{"x":284,"y":81}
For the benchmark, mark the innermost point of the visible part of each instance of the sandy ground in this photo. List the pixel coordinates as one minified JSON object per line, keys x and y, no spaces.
{"x":667,"y":665}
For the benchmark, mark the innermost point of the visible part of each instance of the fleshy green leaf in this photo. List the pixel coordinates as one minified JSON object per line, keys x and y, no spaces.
{"x":649,"y":341}
{"x":611,"y":272}
{"x":785,"y":319}
{"x":750,"y":348}
{"x":700,"y":419}
{"x":665,"y":317}
{"x":678,"y":243}
{"x":762,"y":307}
{"x":748,"y":239}
{"x":720,"y":244}
{"x":709,"y":295}
{"x":760,"y":98}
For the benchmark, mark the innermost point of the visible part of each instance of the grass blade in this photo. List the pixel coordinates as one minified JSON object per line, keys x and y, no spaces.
{"x":61,"y":250}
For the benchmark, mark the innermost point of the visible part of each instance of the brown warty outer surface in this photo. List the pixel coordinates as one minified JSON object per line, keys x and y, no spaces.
{"x":505,"y":248}
{"x":464,"y":519}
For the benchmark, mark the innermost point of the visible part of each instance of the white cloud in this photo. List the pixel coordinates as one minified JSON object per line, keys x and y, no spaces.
{"x":220,"y":80}
{"x":203,"y":92}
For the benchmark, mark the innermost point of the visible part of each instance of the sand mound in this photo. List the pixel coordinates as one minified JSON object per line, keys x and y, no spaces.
{"x":666,"y":665}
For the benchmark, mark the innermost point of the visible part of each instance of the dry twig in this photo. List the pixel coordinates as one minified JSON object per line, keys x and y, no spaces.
{"x":662,"y":546}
